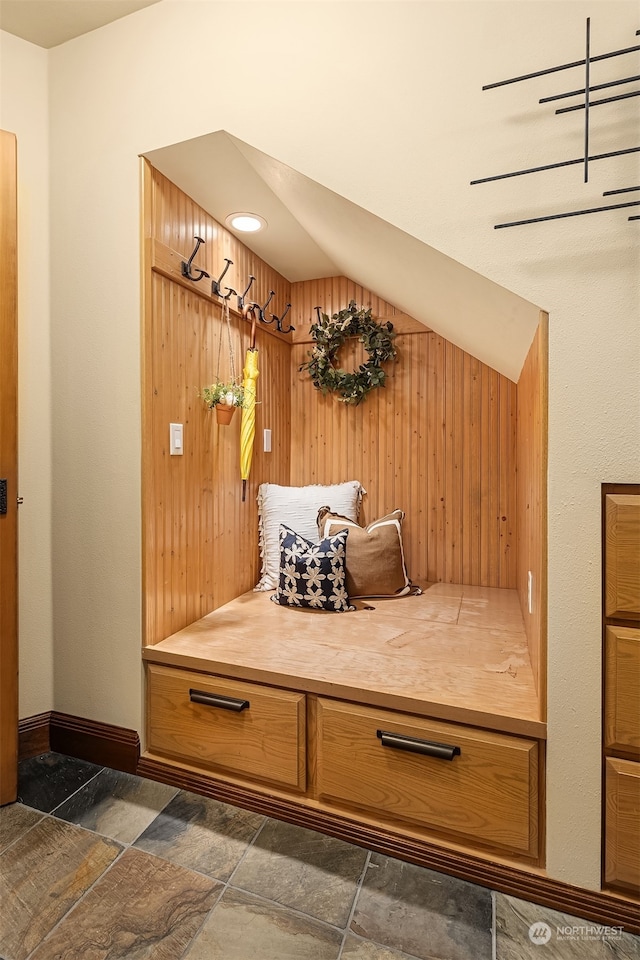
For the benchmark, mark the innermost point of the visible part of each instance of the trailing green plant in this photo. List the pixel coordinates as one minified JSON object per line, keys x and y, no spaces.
{"x":231,"y":394}
{"x":329,"y":334}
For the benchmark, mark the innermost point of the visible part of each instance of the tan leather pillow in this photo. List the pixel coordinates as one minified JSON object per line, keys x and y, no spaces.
{"x":375,"y":557}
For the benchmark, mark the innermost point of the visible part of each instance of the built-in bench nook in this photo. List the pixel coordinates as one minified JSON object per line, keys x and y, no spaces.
{"x":419,"y":718}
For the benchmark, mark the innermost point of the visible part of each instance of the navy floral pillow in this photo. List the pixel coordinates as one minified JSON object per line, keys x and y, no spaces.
{"x":312,"y":574}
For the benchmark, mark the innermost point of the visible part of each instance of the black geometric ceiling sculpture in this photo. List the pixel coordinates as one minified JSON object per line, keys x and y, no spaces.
{"x":588,"y":103}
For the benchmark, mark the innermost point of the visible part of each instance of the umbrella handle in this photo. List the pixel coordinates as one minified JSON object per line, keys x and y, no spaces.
{"x":251,"y":311}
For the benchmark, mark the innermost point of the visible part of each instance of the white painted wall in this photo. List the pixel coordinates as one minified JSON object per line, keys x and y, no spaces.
{"x":380,"y":102}
{"x":24,"y":110}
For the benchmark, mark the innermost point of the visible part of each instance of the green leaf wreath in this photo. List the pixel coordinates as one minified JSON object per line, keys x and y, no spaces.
{"x":330,"y":334}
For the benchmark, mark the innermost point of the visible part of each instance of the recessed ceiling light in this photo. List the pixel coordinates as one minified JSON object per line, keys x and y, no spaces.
{"x":246,"y":222}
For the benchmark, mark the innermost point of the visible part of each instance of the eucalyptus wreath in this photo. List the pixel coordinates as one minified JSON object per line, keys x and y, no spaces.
{"x":329,"y":334}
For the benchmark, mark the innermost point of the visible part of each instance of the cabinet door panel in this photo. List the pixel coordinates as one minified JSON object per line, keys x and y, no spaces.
{"x":622,"y":556}
{"x":622,"y":689}
{"x":622,"y":854}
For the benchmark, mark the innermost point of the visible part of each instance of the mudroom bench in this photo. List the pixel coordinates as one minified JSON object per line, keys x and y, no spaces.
{"x":415,"y":716}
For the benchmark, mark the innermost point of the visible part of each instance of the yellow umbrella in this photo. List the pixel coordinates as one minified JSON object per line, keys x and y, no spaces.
{"x":248,"y":424}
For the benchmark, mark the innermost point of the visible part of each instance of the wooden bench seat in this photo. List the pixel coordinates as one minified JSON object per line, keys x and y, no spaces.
{"x":454,"y":653}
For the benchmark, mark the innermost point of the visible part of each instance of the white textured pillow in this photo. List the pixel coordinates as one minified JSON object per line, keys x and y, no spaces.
{"x":297,"y":507}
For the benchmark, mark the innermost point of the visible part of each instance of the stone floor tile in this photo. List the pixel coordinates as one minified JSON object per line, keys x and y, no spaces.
{"x":242,"y":927}
{"x":304,"y":870}
{"x":16,"y":819}
{"x":44,"y":782}
{"x":357,"y":949}
{"x":423,"y":913}
{"x":201,"y":834}
{"x":526,"y":931}
{"x":42,"y":875}
{"x":143,"y":908}
{"x":116,"y":804}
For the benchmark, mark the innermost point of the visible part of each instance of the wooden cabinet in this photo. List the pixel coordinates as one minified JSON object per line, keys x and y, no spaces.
{"x":447,"y":777}
{"x":622,"y":818}
{"x":621,"y":708}
{"x":239,"y":728}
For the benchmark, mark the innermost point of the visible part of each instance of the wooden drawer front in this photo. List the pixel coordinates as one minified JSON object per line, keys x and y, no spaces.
{"x":622,"y":556}
{"x":622,"y":844}
{"x":622,"y":689}
{"x":264,"y":741}
{"x":488,"y":792}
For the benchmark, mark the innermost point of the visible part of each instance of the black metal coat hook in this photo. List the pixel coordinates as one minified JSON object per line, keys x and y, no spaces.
{"x":216,"y":290}
{"x":186,"y":264}
{"x":279,"y":321}
{"x":261,"y":309}
{"x":241,"y":296}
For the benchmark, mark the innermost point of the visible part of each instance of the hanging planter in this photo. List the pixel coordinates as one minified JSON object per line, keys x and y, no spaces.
{"x":224,"y":398}
{"x":224,"y":414}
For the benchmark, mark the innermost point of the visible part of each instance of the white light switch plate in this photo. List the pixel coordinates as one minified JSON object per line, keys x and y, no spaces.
{"x":267,"y":441}
{"x":175,"y":439}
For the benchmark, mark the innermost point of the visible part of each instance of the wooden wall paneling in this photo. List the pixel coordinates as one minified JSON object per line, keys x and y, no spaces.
{"x":200,"y":540}
{"x":531,"y":457}
{"x":471,"y":461}
{"x":438,"y":441}
{"x":149,"y":550}
{"x":455,"y":473}
{"x":508,"y":488}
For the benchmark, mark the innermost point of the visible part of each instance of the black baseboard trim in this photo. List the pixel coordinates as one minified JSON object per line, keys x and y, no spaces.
{"x":33,"y":735}
{"x":101,"y":743}
{"x":599,"y":907}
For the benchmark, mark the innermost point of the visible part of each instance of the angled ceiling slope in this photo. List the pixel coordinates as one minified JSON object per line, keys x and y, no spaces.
{"x":313,"y":232}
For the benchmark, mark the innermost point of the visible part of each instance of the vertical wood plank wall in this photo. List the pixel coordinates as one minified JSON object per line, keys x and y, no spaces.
{"x":460,"y":448}
{"x":532,"y":429}
{"x":200,"y":541}
{"x":438,"y":441}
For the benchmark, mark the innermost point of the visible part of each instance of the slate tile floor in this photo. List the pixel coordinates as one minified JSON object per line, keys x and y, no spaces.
{"x":101,"y":865}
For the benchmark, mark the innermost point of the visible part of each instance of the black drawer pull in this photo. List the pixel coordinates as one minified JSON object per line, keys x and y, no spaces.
{"x":217,"y":700}
{"x":414,"y":745}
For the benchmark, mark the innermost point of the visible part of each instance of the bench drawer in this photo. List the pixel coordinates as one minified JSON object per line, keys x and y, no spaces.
{"x":472,"y":783}
{"x":247,"y":729}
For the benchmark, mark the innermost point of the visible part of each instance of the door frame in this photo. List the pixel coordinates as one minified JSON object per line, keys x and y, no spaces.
{"x":9,"y":468}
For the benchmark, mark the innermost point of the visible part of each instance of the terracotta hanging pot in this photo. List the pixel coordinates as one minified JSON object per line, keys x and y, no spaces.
{"x":224,"y":413}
